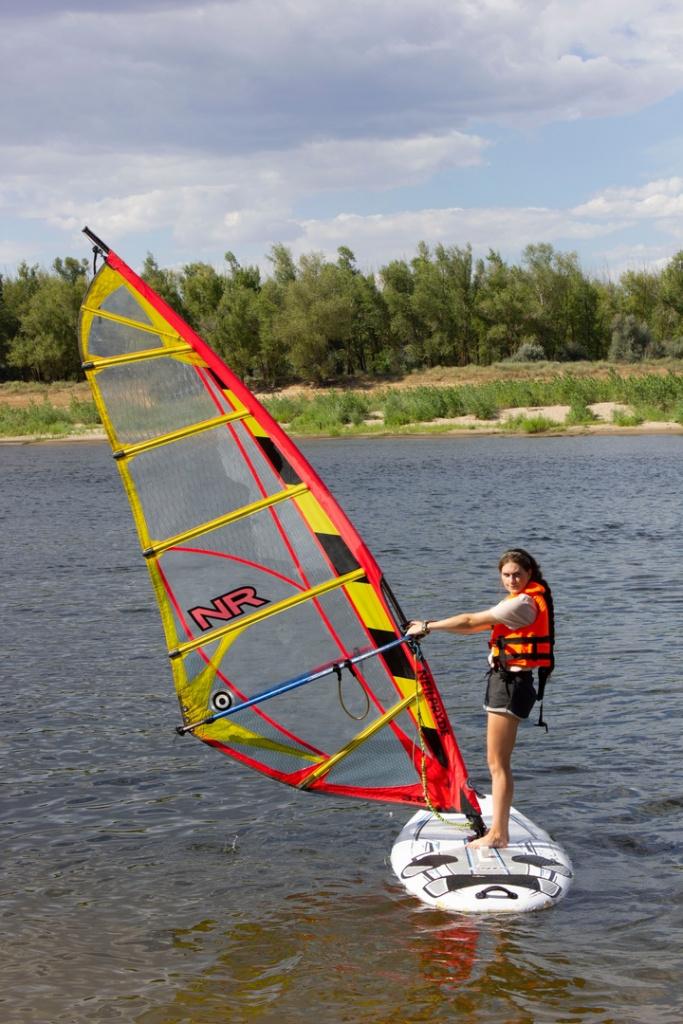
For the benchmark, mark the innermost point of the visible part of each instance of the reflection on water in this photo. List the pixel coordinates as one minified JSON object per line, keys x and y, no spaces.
{"x":147,"y":879}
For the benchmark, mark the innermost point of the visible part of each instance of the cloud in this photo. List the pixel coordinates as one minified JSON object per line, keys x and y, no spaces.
{"x":233,"y":78}
{"x":508,"y":230}
{"x":661,"y":201}
{"x":208,"y":198}
{"x":211,"y":123}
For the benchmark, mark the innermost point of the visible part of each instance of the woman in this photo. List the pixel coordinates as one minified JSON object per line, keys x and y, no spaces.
{"x":522,"y":639}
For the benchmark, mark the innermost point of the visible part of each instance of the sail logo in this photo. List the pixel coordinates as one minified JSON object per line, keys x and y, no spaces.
{"x":227,"y":607}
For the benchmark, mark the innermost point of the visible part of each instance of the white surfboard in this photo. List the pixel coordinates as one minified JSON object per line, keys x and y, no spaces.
{"x":432,"y":860}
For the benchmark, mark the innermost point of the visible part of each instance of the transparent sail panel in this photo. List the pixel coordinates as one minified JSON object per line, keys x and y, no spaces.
{"x":157,"y":397}
{"x":122,"y":302}
{"x":109,"y":338}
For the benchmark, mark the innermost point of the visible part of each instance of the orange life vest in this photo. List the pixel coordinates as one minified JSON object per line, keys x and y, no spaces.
{"x":525,"y":646}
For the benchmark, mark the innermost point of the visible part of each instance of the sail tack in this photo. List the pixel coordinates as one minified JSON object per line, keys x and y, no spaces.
{"x":284,"y":641}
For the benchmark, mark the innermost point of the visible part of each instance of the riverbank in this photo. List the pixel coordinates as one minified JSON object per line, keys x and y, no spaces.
{"x":463,"y":427}
{"x":543,"y":399}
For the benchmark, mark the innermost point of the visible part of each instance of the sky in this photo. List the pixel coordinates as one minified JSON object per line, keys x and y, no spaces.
{"x":190,"y":129}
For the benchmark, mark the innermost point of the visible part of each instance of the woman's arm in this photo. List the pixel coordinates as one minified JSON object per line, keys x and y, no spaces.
{"x":466,"y":622}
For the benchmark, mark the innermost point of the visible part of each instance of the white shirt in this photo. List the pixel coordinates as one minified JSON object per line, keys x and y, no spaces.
{"x":516,"y":612}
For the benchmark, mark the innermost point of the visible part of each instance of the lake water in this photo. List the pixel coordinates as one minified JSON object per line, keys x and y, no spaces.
{"x":147,"y":879}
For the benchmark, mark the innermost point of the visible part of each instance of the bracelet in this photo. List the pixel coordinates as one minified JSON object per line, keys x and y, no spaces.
{"x":425,"y":630}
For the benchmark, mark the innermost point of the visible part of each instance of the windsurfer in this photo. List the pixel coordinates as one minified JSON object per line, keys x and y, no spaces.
{"x":522,"y":638}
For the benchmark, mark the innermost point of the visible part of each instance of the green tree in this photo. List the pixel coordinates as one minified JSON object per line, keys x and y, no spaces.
{"x":8,"y":328}
{"x":46,"y":347}
{"x":284,"y":267}
{"x":408,"y":330}
{"x":166,"y":283}
{"x":201,"y":290}
{"x":70,"y":269}
{"x":502,"y":304}
{"x":639,"y":294}
{"x":445,"y":299}
{"x":367,"y":340}
{"x":562,"y":303}
{"x":670,"y":309}
{"x":237,"y":332}
{"x":317,"y":319}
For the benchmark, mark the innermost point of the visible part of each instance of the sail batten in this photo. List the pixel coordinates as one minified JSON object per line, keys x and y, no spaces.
{"x":130,"y":451}
{"x":258,"y":573}
{"x":136,"y":323}
{"x":136,"y":357}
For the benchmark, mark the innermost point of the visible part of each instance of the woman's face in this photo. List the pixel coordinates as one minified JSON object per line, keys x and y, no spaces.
{"x":514,"y":577}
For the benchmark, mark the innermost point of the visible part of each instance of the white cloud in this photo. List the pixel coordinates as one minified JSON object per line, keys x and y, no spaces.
{"x":211,"y":123}
{"x":661,"y":201}
{"x":251,"y":197}
{"x":377,"y":239}
{"x":239,"y":77}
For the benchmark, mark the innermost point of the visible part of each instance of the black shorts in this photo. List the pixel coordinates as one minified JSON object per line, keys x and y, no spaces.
{"x":510,"y":692}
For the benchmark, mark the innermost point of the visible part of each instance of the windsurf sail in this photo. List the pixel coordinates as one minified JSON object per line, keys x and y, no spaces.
{"x":286,"y":644}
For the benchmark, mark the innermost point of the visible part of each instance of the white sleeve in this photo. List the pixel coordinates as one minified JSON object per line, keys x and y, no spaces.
{"x":517,"y":611}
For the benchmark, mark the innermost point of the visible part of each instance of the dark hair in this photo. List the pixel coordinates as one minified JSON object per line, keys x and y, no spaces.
{"x":521,"y":557}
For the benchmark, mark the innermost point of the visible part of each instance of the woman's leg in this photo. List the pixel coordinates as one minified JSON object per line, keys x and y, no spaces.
{"x":501,"y":733}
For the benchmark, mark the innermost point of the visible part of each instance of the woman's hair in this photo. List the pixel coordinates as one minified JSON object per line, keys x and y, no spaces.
{"x":521,"y":557}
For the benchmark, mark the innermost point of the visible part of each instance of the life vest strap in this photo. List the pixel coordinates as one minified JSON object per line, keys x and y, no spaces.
{"x":498,"y":644}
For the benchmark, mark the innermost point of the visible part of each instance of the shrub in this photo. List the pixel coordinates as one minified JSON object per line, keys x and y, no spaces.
{"x":579,"y":415}
{"x":531,"y":424}
{"x":630,"y":339}
{"x":624,"y":418}
{"x":528,"y":352}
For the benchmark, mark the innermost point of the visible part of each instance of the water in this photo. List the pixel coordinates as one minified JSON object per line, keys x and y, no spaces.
{"x":147,"y":879}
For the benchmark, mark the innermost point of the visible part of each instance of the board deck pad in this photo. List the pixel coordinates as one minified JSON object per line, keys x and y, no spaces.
{"x":433,"y":862}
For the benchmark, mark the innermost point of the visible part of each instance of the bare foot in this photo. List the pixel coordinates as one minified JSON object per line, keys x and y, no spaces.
{"x":490,"y":839}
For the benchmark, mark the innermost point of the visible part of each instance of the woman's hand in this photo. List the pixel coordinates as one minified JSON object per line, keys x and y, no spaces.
{"x":417,"y":629}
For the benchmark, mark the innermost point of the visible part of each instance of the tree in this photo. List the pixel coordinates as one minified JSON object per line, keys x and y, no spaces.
{"x":501,"y":309}
{"x":317,"y":319}
{"x":562,"y":303}
{"x":284,"y":268}
{"x":8,"y":328}
{"x":70,"y":269}
{"x":445,"y":299}
{"x":670,"y":311}
{"x":202,"y":290}
{"x":46,"y":347}
{"x":237,"y":332}
{"x":408,"y":330}
{"x":165,"y":283}
{"x":366,"y":340}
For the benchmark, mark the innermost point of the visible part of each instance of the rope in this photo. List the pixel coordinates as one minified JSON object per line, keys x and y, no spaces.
{"x":337,"y":668}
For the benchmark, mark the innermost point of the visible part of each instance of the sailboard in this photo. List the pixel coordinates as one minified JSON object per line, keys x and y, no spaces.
{"x":286,"y":644}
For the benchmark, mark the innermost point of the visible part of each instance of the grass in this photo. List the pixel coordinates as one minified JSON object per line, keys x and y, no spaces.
{"x":532,"y":424}
{"x":648,"y":396}
{"x":43,"y":419}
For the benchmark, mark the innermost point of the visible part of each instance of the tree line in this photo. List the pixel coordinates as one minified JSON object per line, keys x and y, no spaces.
{"x":317,"y":320}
